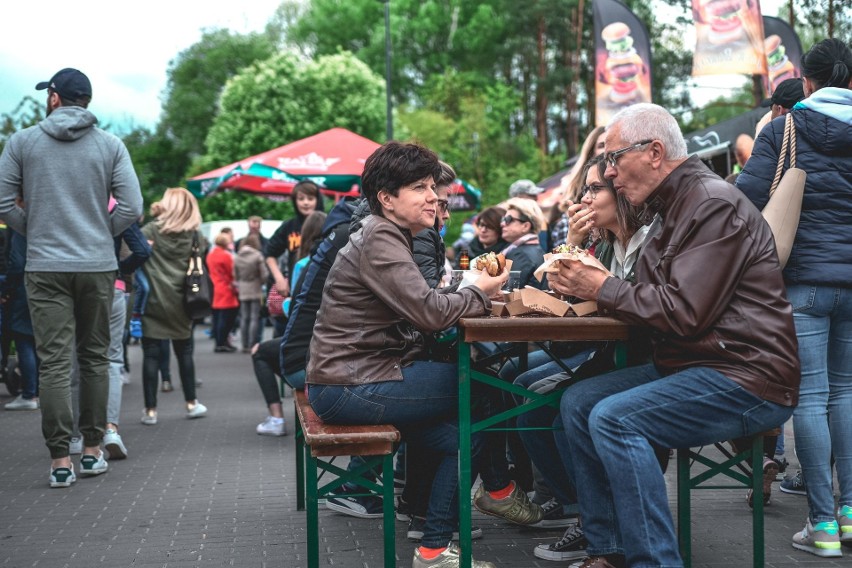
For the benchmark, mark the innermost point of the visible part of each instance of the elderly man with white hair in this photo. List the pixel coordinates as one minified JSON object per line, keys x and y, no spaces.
{"x":709,"y":294}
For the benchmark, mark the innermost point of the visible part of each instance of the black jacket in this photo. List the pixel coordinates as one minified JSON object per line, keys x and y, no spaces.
{"x":308,"y":293}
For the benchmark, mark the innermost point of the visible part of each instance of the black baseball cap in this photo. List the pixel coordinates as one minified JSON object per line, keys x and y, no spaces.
{"x":787,"y":94}
{"x":71,"y":84}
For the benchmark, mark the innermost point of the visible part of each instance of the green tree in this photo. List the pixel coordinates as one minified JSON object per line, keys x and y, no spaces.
{"x":195,"y":80}
{"x":28,"y":112}
{"x":283,"y":99}
{"x":157,"y":161}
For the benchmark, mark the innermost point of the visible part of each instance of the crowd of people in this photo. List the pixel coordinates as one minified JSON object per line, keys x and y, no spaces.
{"x":718,"y":350}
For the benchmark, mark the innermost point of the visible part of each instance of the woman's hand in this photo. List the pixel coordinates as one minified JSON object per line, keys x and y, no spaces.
{"x":492,"y":285}
{"x":580,"y":222}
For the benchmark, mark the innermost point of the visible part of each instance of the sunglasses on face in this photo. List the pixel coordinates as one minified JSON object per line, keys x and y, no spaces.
{"x":508,"y":219}
{"x":611,"y":158}
{"x":443,"y":205}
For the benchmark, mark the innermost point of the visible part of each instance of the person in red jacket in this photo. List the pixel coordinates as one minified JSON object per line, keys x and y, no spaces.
{"x":220,"y":264}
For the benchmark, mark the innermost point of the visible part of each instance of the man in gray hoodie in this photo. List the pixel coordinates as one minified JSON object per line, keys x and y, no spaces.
{"x":56,"y":179}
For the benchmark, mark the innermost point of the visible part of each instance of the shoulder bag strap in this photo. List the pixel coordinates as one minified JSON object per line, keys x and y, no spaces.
{"x":195,"y":263}
{"x":788,"y":135}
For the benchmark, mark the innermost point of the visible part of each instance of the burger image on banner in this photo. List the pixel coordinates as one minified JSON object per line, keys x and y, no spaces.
{"x":623,"y":65}
{"x":723,"y":17}
{"x":622,"y":59}
{"x":780,"y":66}
{"x":729,"y":38}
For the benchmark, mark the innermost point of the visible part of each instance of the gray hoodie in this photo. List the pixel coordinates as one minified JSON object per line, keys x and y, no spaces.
{"x":66,"y":169}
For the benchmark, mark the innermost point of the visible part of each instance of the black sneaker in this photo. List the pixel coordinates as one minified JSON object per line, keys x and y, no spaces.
{"x":571,"y":546}
{"x":415,"y":530}
{"x":366,"y":507}
{"x":554,"y":517}
{"x":782,"y":468}
{"x":795,"y":485}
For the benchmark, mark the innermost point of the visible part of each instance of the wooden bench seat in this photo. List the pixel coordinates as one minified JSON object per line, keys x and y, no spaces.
{"x":315,"y":439}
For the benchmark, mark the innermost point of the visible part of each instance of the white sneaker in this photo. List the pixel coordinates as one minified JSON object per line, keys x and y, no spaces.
{"x":197,"y":411}
{"x":125,"y":376}
{"x":21,"y":403}
{"x":149,"y":417}
{"x":272,"y":427}
{"x":116,"y":448}
{"x":75,"y":447}
{"x":93,"y":465}
{"x":62,"y":476}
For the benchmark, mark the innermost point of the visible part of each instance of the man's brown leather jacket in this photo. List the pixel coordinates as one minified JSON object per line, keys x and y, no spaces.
{"x":709,"y":286}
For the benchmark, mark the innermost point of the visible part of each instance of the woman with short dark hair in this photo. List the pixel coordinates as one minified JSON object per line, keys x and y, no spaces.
{"x":367,"y":365}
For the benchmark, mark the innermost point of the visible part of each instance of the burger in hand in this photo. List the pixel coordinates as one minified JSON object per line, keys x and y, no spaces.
{"x":492,"y":263}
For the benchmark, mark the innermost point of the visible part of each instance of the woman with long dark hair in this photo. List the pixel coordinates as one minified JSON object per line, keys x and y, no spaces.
{"x":818,"y":276}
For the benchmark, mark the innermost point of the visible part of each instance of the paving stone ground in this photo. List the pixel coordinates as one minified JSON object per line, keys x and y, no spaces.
{"x":211,"y":492}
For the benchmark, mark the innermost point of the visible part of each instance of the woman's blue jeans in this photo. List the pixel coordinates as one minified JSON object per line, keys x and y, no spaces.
{"x":610,"y":423}
{"x":424,"y":406}
{"x":822,"y":423}
{"x":28,"y":364}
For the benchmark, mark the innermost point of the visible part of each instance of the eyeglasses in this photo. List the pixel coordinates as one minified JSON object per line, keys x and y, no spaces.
{"x":592,"y":190}
{"x":508,"y":219}
{"x":443,"y":205}
{"x":611,"y":158}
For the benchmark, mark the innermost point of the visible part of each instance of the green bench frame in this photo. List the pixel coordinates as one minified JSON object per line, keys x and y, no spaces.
{"x":314,"y":440}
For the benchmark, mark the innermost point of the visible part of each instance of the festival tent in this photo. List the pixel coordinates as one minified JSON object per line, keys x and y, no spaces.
{"x":333,"y":159}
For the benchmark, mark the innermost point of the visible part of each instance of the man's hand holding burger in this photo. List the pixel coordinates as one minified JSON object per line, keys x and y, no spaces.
{"x":575,"y":278}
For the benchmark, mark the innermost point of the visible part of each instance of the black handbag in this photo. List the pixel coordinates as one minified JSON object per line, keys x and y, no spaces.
{"x":198,"y":288}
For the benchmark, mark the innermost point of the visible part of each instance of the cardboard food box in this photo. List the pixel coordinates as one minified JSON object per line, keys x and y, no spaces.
{"x":532,"y":301}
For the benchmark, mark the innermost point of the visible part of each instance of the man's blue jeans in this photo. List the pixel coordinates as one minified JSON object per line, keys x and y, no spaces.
{"x":822,"y":423}
{"x":424,"y":406}
{"x":610,"y":423}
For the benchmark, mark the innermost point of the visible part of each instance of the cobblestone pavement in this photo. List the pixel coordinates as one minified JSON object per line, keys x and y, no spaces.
{"x":211,"y":492}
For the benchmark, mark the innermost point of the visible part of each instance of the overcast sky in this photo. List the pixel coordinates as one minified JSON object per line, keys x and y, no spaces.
{"x":125,"y":48}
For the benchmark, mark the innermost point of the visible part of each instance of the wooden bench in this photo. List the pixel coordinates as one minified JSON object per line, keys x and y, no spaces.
{"x":315,"y":439}
{"x":734,"y":466}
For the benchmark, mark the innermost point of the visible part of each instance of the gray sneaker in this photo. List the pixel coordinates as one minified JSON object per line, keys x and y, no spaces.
{"x":116,"y":448}
{"x":794,"y":485}
{"x":447,"y":559}
{"x":844,"y":520}
{"x":515,"y":508}
{"x":75,"y":446}
{"x":822,"y":539}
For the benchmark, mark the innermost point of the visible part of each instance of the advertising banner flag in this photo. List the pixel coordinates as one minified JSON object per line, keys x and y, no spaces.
{"x":728,"y":37}
{"x":783,"y":52}
{"x":622,"y":60}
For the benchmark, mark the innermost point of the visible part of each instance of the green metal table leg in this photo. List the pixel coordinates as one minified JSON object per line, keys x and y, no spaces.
{"x":313,"y":510}
{"x":388,"y":512}
{"x":300,"y":465}
{"x":464,"y":454}
{"x":684,"y":526}
{"x":757,"y":511}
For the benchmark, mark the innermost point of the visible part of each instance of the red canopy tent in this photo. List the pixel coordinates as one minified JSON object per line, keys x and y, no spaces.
{"x":334,"y":159}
